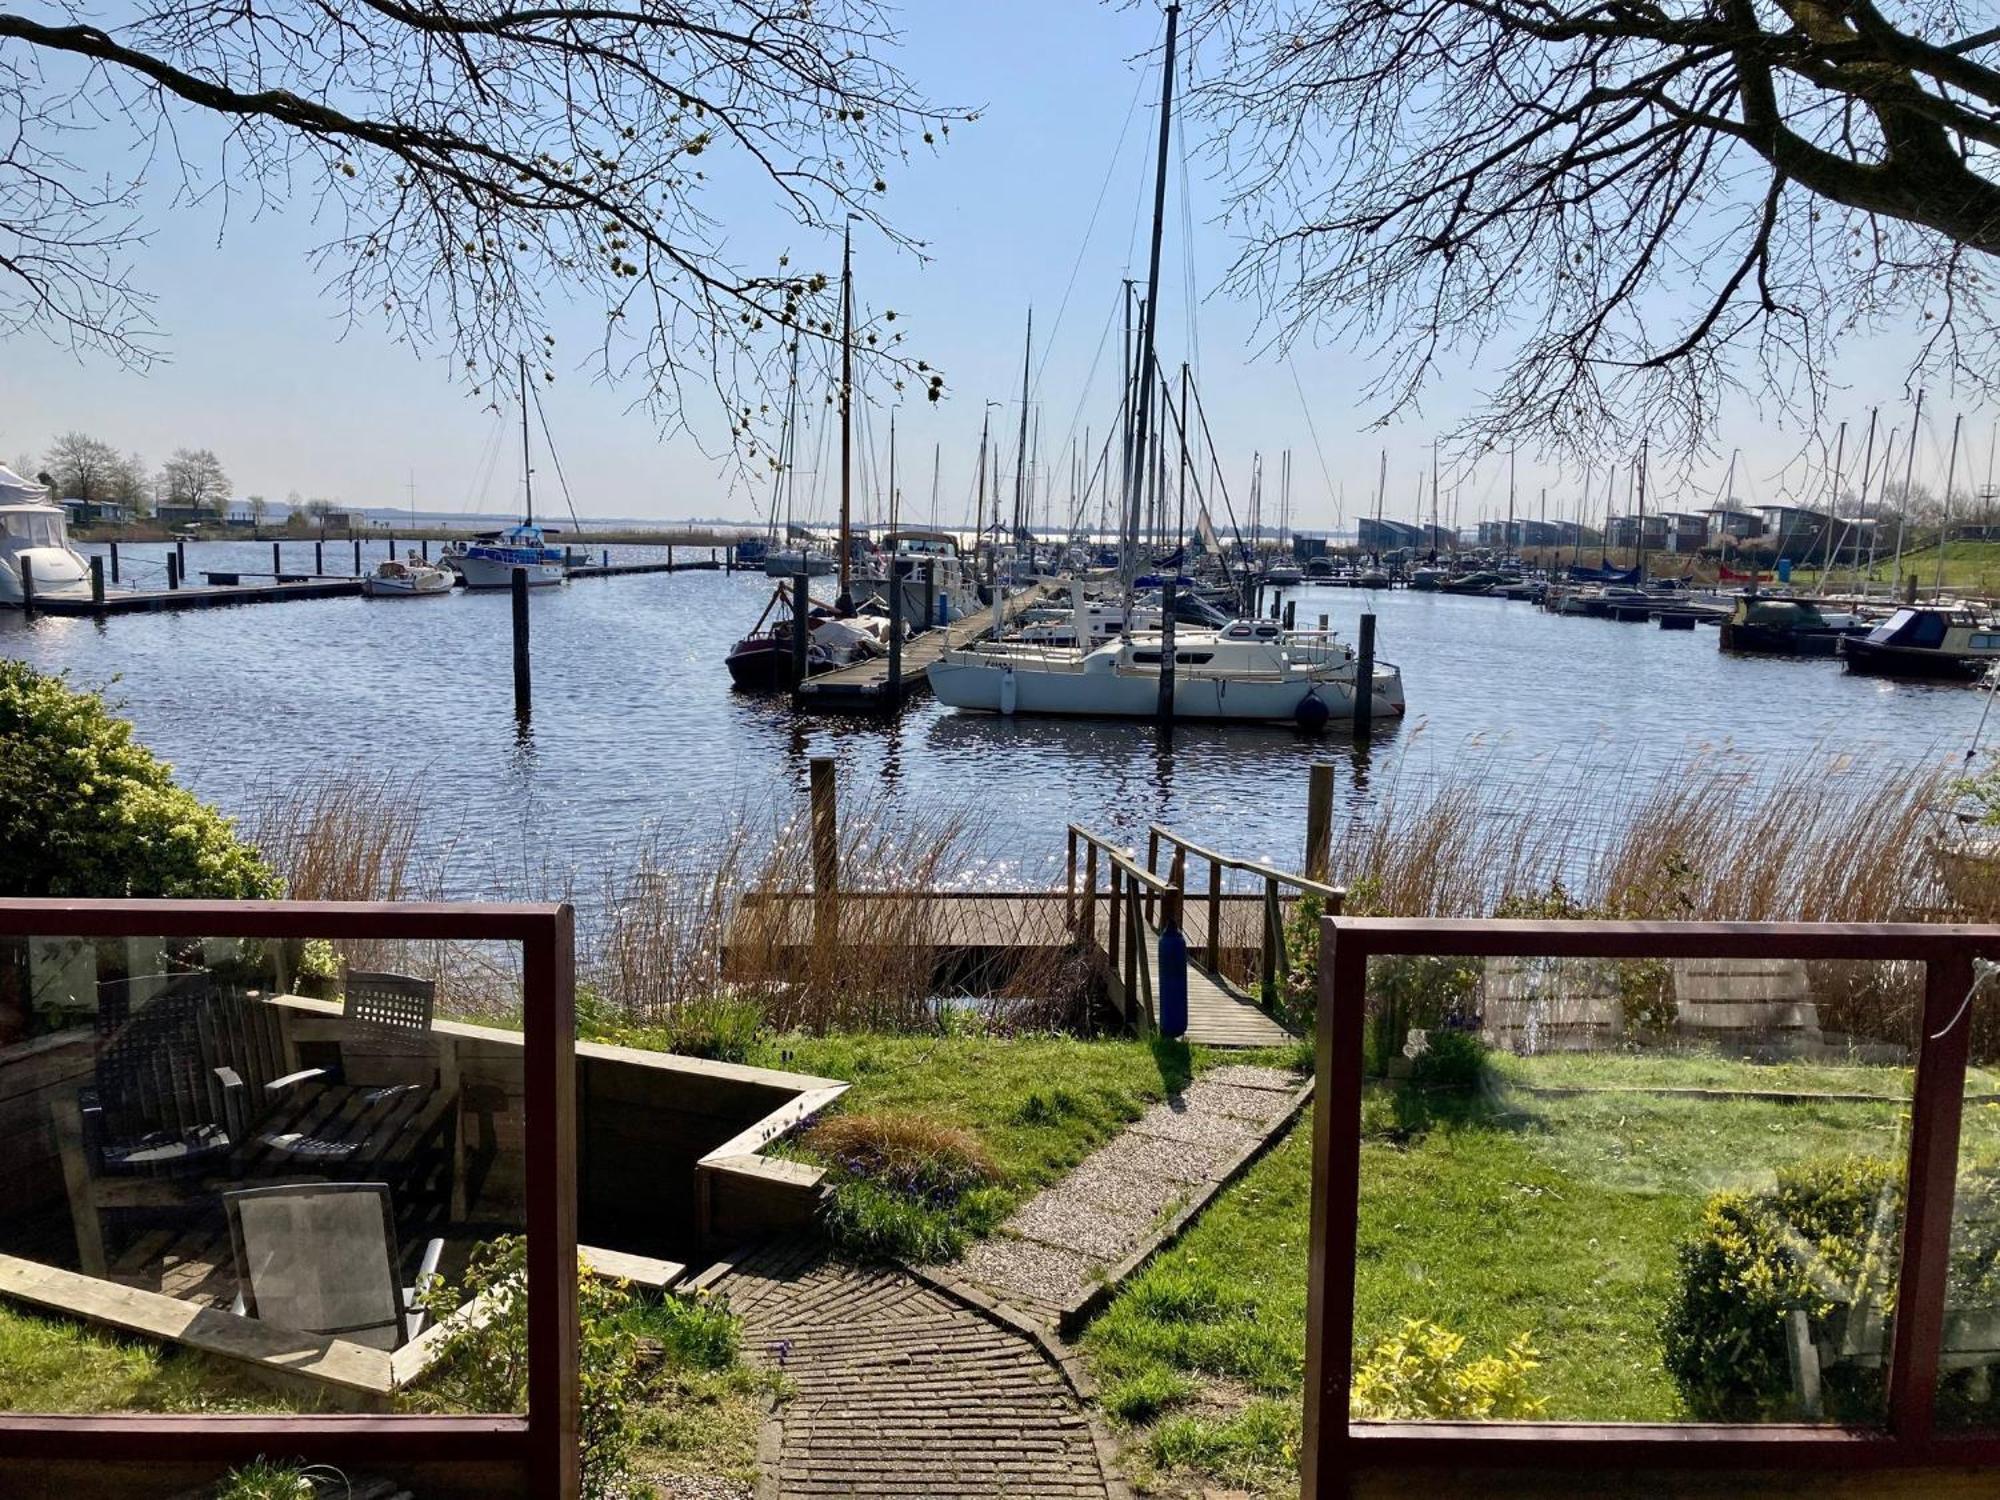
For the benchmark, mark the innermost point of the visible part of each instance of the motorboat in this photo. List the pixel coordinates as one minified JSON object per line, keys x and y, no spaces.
{"x":1250,"y":670}
{"x":1935,"y":641}
{"x":489,"y":562}
{"x":934,"y":572}
{"x":36,"y":533}
{"x":405,"y":578}
{"x":1284,"y":575}
{"x":1767,"y":625}
{"x":762,"y":662}
{"x":792,"y":561}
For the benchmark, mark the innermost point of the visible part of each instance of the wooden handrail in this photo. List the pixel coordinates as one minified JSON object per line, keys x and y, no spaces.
{"x":1124,"y":859}
{"x":1217,"y":860}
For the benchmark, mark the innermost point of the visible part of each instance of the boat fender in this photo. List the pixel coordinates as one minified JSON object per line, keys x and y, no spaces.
{"x":1008,"y":691}
{"x":1173,"y":984}
{"x":1312,"y":712}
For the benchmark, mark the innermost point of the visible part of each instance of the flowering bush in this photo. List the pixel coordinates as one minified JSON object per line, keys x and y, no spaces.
{"x":1415,"y":1374}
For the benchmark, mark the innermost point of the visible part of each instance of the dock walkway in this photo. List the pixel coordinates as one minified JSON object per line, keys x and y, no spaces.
{"x":864,"y":686}
{"x":214,"y":596}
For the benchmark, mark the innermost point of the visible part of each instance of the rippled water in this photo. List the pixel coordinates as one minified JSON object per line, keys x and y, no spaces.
{"x":636,"y":729}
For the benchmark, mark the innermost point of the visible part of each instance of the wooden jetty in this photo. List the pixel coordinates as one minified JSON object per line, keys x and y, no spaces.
{"x":865,"y":687}
{"x":213,"y":596}
{"x":1141,"y":928}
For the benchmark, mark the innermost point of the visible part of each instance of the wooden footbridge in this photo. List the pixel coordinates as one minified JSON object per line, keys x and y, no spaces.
{"x":1145,"y":932}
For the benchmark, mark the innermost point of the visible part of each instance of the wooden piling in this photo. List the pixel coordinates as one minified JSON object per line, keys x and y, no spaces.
{"x":1324,"y":621}
{"x":181,"y":557}
{"x":1291,"y":614}
{"x":1319,"y":819}
{"x":896,"y":576}
{"x":1364,"y":678}
{"x":523,"y":684}
{"x":825,"y":820}
{"x":277,"y":563}
{"x":27,"y":587}
{"x":97,"y":580}
{"x":1165,"y":707}
{"x":357,"y":557}
{"x":425,"y":546}
{"x":114,"y":562}
{"x":173,"y":570}
{"x":319,"y":559}
{"x":801,"y":629}
{"x":670,"y":557}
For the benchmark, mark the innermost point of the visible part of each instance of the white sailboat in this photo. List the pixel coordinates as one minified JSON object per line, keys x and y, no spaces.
{"x":489,"y":562}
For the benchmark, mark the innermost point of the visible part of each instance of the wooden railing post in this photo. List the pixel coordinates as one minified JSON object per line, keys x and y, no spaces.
{"x":1069,"y":886}
{"x":1274,"y":939}
{"x":1153,"y":850}
{"x":1319,"y":819}
{"x":1938,"y":1102}
{"x":1117,"y":914}
{"x":1214,"y":915}
{"x":825,"y":825}
{"x":1134,"y":941}
{"x":1090,"y":892}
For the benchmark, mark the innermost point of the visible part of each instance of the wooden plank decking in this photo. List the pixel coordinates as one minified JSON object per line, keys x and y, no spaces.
{"x":864,"y":686}
{"x":149,"y":601}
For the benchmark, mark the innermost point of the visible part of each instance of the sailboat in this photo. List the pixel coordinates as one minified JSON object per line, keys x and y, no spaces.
{"x":490,"y":561}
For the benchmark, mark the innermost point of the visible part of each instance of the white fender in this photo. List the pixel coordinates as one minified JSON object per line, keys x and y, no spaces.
{"x":1008,"y":691}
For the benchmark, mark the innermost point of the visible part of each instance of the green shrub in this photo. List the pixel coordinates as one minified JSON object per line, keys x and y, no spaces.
{"x":1415,"y":993}
{"x":1825,"y":1234}
{"x":482,"y":1365}
{"x":1644,"y":986}
{"x":1416,"y":1375}
{"x":1452,"y":1058}
{"x":86,"y":811}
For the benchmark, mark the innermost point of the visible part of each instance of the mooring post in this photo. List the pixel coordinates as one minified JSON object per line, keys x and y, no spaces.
{"x":424,"y":547}
{"x":1324,"y":621}
{"x":1364,"y":678}
{"x":27,"y":587}
{"x":173,"y":571}
{"x":1165,"y":707}
{"x":801,"y":629}
{"x":523,"y":685}
{"x":319,"y":559}
{"x":97,"y":580}
{"x":729,"y":559}
{"x":114,"y":562}
{"x":277,"y":565}
{"x":391,"y":549}
{"x":896,"y":576}
{"x":181,"y":557}
{"x":1319,"y":818}
{"x":1291,"y":613}
{"x":711,"y":557}
{"x":825,"y":819}
{"x":670,"y":557}
{"x":357,"y":557}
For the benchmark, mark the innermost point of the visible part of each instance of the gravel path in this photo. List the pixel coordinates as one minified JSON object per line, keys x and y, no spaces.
{"x":1065,"y":1238}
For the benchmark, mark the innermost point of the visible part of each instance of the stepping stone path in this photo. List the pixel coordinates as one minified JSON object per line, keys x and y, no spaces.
{"x":900,"y":1390}
{"x":1064,"y":1240}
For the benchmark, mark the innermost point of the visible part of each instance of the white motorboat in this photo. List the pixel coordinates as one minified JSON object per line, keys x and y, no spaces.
{"x":489,"y":562}
{"x":1284,"y":575}
{"x":36,"y":533}
{"x":394,"y":578}
{"x":951,"y":589}
{"x":1250,"y":670}
{"x":793,"y":561}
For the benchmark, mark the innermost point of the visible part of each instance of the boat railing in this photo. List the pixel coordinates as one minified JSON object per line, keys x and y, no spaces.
{"x":1272,"y":961}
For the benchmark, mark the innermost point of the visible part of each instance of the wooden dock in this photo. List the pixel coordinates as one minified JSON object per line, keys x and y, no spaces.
{"x":864,"y":687}
{"x":214,"y":596}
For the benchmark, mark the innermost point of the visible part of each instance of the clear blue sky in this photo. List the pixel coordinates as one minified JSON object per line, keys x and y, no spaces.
{"x":261,"y":371}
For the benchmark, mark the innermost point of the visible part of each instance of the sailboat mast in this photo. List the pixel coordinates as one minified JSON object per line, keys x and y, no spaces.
{"x":1643,"y":442}
{"x":893,"y":508}
{"x":1507,"y":537}
{"x":1944,"y":516}
{"x":1150,"y":312}
{"x":527,"y":467}
{"x":844,"y":602}
{"x":1909,"y":472}
{"x":1021,"y":499}
{"x":979,"y":505}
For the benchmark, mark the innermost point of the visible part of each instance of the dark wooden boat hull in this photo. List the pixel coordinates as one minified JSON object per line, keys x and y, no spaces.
{"x":760,"y":665}
{"x":1766,"y":640}
{"x":1906,"y":661}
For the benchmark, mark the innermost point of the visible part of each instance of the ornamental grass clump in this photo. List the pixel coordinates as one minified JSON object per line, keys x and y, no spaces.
{"x":904,"y":1185}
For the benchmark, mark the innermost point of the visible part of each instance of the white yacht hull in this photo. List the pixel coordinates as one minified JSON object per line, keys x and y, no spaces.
{"x":59,"y":574}
{"x":1026,"y":688}
{"x":490,"y":573}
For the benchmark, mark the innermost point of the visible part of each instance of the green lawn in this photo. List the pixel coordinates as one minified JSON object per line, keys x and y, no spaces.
{"x":1037,"y":1105}
{"x":53,"y":1364}
{"x":1497,"y":1214}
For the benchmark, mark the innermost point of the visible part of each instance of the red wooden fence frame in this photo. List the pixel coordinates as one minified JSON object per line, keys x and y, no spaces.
{"x":1336,"y":1448}
{"x":541,"y":1446}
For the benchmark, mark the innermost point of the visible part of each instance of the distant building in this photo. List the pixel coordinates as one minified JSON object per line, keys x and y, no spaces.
{"x":1687,"y":531}
{"x":341,"y":520}
{"x":97,"y":512}
{"x":1795,"y":532}
{"x":184,"y":515}
{"x":1730,"y":522}
{"x":1628,"y":533}
{"x":1384,"y":535}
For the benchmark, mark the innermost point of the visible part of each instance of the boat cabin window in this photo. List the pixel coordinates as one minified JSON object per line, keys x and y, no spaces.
{"x":1193,"y":658}
{"x":1985,"y":641}
{"x":33,"y":529}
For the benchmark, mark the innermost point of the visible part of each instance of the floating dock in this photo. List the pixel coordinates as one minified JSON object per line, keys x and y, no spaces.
{"x":214,"y":596}
{"x":864,"y":687}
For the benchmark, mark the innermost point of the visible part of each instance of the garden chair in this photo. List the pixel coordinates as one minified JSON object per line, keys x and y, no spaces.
{"x":321,"y":1257}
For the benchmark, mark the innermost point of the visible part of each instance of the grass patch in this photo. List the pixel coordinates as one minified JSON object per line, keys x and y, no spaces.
{"x":1493,"y":1214}
{"x":56,"y":1365}
{"x":1029,"y":1108}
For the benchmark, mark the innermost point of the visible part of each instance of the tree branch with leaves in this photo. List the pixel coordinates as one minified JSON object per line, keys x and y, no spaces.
{"x":480,"y":168}
{"x":1633,"y":211}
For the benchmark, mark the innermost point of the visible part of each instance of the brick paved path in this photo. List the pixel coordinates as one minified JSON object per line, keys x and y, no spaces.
{"x":900,"y":1390}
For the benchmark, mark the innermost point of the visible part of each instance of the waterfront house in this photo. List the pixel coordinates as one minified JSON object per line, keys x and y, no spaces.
{"x":1687,"y":531}
{"x":97,"y":512}
{"x":1795,"y":532}
{"x":1731,"y":523}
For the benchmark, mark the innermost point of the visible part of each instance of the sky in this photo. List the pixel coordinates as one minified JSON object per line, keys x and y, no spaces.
{"x":1039,"y":203}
